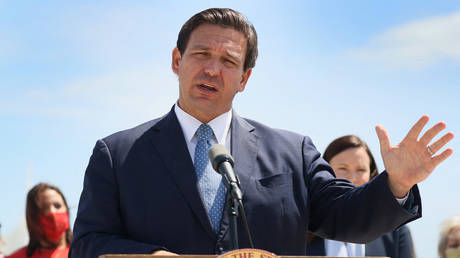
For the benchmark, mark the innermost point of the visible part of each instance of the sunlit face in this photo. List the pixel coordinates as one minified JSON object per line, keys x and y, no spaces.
{"x":453,"y":239}
{"x":50,"y":201}
{"x":352,"y":164}
{"x":210,"y":71}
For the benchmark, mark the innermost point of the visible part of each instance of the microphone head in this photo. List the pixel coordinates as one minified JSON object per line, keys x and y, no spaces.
{"x":218,"y":154}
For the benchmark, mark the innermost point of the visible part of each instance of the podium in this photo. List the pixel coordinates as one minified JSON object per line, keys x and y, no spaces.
{"x":210,"y":256}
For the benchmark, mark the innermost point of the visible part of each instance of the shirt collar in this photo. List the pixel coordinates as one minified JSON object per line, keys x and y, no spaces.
{"x":189,"y":124}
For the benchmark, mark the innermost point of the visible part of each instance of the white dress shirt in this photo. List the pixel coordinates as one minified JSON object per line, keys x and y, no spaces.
{"x":343,"y":249}
{"x":220,"y":126}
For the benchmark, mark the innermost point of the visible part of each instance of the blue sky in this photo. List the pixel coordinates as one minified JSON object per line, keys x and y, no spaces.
{"x":71,"y":73}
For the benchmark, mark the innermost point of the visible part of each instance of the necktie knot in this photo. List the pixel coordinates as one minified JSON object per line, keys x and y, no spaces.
{"x":204,"y":132}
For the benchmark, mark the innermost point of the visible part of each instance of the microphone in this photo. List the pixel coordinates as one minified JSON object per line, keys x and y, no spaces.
{"x":222,"y":162}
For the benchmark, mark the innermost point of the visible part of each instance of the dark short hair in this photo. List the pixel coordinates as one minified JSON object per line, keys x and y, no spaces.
{"x":347,"y":142}
{"x":224,"y":17}
{"x":32,"y":216}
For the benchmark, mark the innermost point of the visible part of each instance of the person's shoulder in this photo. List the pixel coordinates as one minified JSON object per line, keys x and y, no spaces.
{"x":262,"y":129}
{"x":135,"y":131}
{"x":20,"y":253}
{"x":122,"y":141}
{"x":132,"y":134}
{"x":61,"y":252}
{"x":403,"y":231}
{"x":276,"y":135}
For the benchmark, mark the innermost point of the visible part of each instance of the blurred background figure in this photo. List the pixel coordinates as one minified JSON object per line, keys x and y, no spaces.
{"x":351,"y":158}
{"x":449,"y":239}
{"x":47,"y":215}
{"x":2,"y":243}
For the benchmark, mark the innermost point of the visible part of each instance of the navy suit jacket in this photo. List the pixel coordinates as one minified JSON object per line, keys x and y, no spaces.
{"x":140,"y":194}
{"x":397,"y":244}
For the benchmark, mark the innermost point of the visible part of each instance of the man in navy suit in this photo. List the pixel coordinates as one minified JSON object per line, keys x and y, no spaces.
{"x":142,"y":194}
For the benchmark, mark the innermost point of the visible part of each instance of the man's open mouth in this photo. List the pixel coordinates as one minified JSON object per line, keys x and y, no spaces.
{"x":207,"y":87}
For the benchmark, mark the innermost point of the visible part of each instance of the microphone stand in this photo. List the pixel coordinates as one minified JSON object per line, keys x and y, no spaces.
{"x":235,"y":206}
{"x":233,"y":212}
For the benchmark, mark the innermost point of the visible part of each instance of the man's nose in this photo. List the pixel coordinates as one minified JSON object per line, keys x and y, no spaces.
{"x":212,"y":67}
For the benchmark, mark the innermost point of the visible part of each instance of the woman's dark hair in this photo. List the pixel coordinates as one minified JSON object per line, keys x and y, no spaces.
{"x":32,"y":217}
{"x":224,"y":17}
{"x":347,"y":142}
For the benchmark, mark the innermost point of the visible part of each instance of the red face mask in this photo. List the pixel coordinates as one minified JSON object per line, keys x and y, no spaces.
{"x":54,"y":225}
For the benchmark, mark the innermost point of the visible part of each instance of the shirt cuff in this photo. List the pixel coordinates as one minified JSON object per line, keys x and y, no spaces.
{"x":403,"y":200}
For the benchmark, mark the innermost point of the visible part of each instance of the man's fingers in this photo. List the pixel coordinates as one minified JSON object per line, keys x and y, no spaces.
{"x":414,"y":132}
{"x":382,"y":134}
{"x":432,"y":132}
{"x":438,"y":144}
{"x":441,"y":157}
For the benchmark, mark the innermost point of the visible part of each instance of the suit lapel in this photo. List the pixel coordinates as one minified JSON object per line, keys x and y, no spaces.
{"x":244,"y":146}
{"x":244,"y":149}
{"x":169,"y":141}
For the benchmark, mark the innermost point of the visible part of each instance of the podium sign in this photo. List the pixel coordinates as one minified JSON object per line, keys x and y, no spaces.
{"x":209,"y":256}
{"x":248,"y":253}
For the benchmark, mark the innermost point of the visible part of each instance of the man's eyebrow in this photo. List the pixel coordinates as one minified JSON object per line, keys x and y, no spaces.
{"x":229,"y":53}
{"x":233,"y":56}
{"x":199,"y":47}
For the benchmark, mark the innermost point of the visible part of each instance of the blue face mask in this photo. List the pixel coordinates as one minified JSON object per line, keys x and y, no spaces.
{"x":453,"y":252}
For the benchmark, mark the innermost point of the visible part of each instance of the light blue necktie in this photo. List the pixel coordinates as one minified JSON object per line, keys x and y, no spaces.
{"x":211,"y":188}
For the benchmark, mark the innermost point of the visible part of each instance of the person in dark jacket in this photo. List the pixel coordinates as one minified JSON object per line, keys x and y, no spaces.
{"x":351,"y":158}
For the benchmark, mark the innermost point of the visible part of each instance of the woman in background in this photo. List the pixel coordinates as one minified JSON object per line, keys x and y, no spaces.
{"x":351,"y":158}
{"x":2,"y":243}
{"x":47,"y":222}
{"x":449,"y":240}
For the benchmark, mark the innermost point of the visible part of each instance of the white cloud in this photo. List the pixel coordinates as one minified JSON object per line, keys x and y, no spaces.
{"x":416,"y":44}
{"x":117,"y":35}
{"x":124,"y":78}
{"x":117,"y":98}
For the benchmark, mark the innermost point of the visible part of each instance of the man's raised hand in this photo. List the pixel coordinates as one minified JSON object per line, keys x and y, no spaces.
{"x":414,"y":158}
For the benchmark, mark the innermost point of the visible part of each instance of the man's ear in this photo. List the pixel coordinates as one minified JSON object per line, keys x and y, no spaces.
{"x":176,"y":58}
{"x":244,"y":79}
